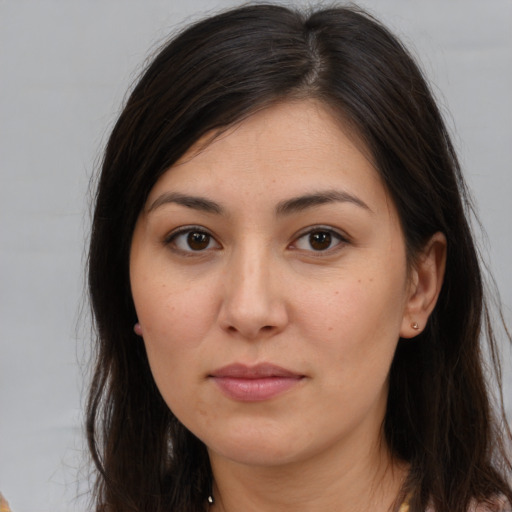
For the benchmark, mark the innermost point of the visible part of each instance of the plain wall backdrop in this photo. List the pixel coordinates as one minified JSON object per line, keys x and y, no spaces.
{"x":64,"y":69}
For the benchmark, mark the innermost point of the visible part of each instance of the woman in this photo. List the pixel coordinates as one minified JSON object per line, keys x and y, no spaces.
{"x":285,"y":288}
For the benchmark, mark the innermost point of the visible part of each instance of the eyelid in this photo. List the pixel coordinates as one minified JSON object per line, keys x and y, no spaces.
{"x":170,"y":237}
{"x":340,"y":235}
{"x":183,"y":229}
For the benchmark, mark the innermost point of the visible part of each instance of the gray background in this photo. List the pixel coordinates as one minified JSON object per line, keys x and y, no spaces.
{"x":64,"y":69}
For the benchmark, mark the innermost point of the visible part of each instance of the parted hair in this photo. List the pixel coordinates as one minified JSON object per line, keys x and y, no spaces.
{"x":441,"y":417}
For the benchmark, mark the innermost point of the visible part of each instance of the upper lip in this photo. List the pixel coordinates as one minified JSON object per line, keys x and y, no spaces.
{"x":258,"y":371}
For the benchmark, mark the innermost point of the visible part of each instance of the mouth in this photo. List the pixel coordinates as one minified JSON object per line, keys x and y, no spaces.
{"x":254,"y":383}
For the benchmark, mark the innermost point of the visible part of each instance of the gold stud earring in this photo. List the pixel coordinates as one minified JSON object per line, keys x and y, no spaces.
{"x":415,"y":326}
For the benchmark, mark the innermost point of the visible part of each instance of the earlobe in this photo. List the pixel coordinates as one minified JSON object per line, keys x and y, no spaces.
{"x":425,"y":285}
{"x":137,"y":329}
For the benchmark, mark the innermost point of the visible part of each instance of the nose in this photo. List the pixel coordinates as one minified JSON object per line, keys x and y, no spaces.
{"x":253,"y":304}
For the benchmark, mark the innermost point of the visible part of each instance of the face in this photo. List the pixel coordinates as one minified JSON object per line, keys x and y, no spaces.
{"x":268,"y":271}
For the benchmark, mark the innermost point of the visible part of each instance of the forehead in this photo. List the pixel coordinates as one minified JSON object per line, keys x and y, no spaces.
{"x":289,"y":148}
{"x":286,"y":125}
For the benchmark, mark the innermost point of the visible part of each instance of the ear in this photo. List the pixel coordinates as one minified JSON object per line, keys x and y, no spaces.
{"x":425,"y":284}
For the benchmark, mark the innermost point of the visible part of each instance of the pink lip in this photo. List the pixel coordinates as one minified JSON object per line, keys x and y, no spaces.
{"x":254,"y":383}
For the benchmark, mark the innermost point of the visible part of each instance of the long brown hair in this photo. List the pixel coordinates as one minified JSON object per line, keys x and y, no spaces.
{"x":440,"y":417}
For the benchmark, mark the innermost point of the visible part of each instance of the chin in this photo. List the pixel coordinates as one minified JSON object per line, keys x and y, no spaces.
{"x":256,"y":455}
{"x":259,"y":446}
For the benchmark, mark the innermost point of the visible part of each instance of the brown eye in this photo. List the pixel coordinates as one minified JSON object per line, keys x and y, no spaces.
{"x":198,"y":241}
{"x":192,"y":240}
{"x":320,"y":240}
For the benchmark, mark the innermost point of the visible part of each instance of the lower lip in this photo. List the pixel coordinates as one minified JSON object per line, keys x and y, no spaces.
{"x":255,"y":390}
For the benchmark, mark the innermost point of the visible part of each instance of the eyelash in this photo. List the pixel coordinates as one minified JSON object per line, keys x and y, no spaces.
{"x":332,"y":237}
{"x":170,"y":240}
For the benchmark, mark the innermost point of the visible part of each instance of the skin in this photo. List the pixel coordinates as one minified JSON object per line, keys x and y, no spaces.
{"x":257,"y":291}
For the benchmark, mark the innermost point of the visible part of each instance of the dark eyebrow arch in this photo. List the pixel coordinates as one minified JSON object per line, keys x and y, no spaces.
{"x":298,"y":204}
{"x":194,"y":202}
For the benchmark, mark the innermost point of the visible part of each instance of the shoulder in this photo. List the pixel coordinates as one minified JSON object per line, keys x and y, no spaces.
{"x":4,"y":506}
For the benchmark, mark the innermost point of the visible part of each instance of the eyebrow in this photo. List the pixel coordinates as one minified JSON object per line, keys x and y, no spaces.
{"x":293,"y":205}
{"x":301,"y":203}
{"x":194,"y":202}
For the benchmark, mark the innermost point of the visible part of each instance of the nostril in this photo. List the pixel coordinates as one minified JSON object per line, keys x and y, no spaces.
{"x":265,"y":328}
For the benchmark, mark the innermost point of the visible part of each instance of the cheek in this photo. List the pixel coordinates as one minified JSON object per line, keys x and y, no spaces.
{"x":173,"y":312}
{"x":354,"y":306}
{"x":175,"y":318}
{"x":355,"y":328}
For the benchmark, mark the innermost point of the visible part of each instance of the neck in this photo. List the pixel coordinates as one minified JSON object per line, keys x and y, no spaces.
{"x":352,"y":482}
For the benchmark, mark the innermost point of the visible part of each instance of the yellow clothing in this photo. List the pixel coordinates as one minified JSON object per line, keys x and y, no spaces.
{"x":4,"y":506}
